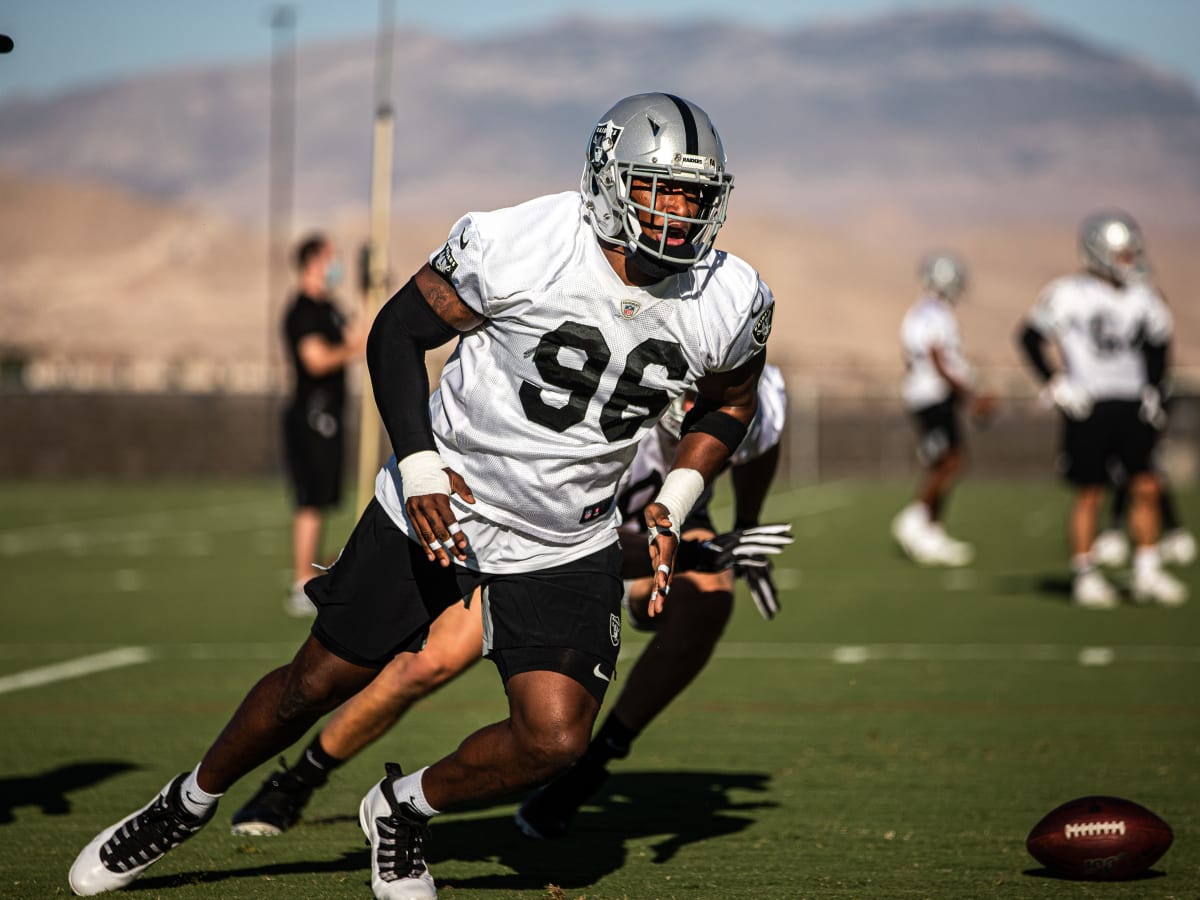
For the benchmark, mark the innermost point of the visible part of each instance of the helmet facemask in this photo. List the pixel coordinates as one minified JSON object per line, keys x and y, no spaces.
{"x":647,"y":139}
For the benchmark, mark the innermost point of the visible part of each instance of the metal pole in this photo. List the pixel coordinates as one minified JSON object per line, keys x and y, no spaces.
{"x":377,"y":273}
{"x":280,"y":163}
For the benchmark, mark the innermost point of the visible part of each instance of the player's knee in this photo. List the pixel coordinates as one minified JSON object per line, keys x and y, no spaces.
{"x":554,"y":747}
{"x":310,"y":690}
{"x":429,"y":671}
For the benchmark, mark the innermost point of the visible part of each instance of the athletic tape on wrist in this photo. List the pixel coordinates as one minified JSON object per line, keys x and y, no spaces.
{"x":679,"y":493}
{"x":423,"y":472}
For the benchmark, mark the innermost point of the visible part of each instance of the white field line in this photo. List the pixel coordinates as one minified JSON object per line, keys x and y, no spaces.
{"x":800,"y":502}
{"x":142,"y":526}
{"x":730,"y":650}
{"x":75,"y":668}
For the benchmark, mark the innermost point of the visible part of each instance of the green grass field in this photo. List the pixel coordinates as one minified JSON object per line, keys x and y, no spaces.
{"x":894,"y":733}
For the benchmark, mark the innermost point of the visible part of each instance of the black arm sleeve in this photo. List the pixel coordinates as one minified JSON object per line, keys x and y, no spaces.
{"x":1156,"y":363}
{"x":404,"y":329}
{"x":1032,"y":342}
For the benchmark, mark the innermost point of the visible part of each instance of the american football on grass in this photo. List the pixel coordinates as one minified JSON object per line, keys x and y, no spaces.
{"x":1099,"y":839}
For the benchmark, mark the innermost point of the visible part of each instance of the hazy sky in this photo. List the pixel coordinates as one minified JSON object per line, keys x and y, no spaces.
{"x":61,"y":44}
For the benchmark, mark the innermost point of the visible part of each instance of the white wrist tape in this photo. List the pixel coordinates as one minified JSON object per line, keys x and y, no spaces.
{"x":679,"y":493}
{"x":423,"y":473}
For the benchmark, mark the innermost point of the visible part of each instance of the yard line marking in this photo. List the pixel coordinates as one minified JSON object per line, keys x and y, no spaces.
{"x":1097,"y":656}
{"x":801,"y":502}
{"x":75,"y":668}
{"x":230,"y":516}
{"x":728,"y":650}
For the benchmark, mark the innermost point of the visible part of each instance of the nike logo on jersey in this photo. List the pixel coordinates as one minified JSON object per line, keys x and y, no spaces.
{"x":462,"y":241}
{"x":599,"y":674}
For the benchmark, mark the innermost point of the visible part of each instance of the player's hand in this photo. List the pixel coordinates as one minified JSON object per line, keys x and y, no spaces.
{"x":427,"y":488}
{"x":756,"y":572}
{"x":664,"y":543}
{"x":1151,"y":411}
{"x":1073,"y":400}
{"x":726,"y":550}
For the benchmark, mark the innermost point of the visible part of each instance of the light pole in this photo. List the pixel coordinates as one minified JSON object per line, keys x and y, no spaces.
{"x":281,"y":153}
{"x":377,"y":252}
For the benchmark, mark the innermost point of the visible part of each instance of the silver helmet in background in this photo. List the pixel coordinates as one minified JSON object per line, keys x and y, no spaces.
{"x":1112,"y":245}
{"x":944,"y":275}
{"x":655,"y":138}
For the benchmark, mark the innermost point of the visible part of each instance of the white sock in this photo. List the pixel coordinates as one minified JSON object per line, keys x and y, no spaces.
{"x":1146,"y":560}
{"x":195,"y":799}
{"x":1081,"y":563}
{"x":408,"y":790}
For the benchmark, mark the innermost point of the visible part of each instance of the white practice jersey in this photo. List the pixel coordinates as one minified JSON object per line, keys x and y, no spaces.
{"x":1100,"y":328}
{"x":930,"y":323}
{"x":541,"y":408}
{"x":657,"y":449}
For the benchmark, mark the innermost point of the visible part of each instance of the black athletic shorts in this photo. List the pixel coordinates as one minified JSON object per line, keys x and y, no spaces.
{"x":313,"y":452}
{"x":938,"y":431}
{"x":378,"y":599}
{"x":1114,"y":433}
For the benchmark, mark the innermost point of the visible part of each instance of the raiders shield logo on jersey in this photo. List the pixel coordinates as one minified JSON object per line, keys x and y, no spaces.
{"x":445,"y":263}
{"x":762,"y":328}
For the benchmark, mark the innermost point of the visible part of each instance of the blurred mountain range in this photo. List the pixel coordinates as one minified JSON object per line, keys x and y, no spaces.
{"x":974,"y":115}
{"x":132,"y":231}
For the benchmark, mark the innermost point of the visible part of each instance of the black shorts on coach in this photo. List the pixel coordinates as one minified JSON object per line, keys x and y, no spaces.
{"x":313,"y":451}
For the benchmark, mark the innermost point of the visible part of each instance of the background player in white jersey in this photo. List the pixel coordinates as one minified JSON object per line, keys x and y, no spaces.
{"x":579,"y":317}
{"x":938,"y":381}
{"x":1176,"y":544}
{"x":701,"y":604}
{"x":1113,"y":333}
{"x":702,"y":597}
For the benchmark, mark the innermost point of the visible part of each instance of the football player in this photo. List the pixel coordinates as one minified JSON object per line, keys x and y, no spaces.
{"x":938,"y":383}
{"x":578,"y":317}
{"x":1113,"y":332}
{"x":687,"y":632}
{"x":701,"y":603}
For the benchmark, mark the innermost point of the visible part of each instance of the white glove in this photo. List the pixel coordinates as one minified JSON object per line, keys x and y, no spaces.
{"x":1151,"y":411}
{"x":1073,"y":400}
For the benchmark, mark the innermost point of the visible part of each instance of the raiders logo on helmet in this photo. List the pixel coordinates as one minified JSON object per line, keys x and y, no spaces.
{"x":762,"y":328}
{"x":604,"y":141}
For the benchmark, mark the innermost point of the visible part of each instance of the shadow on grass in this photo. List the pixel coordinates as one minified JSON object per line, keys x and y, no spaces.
{"x":679,"y":808}
{"x":48,"y":791}
{"x":1058,"y":876}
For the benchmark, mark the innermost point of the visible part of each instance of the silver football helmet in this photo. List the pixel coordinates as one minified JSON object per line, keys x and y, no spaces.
{"x":1112,"y":245}
{"x":655,"y":138}
{"x":944,"y":275}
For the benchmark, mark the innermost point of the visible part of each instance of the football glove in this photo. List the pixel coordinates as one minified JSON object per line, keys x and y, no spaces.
{"x":756,"y":572}
{"x":733,"y":547}
{"x":1151,"y":411}
{"x":1073,"y":400}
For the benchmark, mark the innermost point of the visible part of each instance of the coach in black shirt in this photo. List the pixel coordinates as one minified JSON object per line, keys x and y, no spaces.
{"x":320,"y":342}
